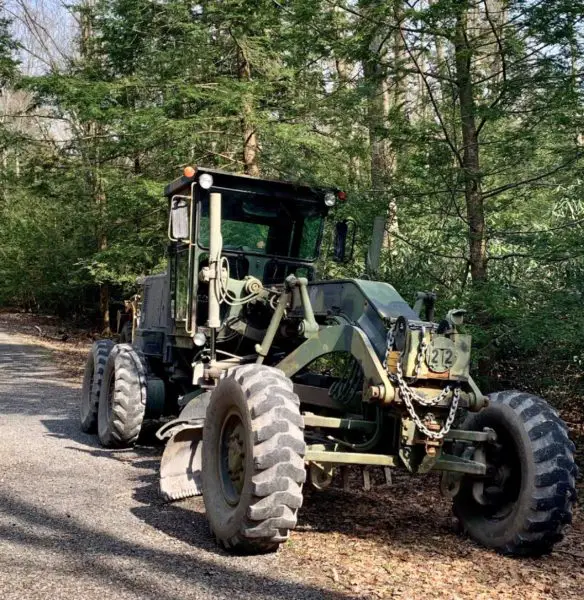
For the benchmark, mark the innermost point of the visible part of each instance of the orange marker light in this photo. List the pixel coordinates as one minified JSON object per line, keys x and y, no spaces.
{"x":189,"y":171}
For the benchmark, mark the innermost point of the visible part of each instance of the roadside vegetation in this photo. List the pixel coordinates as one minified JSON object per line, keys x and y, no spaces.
{"x":461,"y":122}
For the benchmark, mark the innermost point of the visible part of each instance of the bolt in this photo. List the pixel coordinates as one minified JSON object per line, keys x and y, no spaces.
{"x":376,"y":391}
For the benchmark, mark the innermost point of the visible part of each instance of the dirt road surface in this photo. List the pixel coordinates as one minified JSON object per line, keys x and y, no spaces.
{"x":80,"y":522}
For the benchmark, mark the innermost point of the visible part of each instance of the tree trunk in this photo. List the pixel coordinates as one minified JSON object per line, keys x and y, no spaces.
{"x":471,"y":161}
{"x":93,"y":158}
{"x":101,"y":200}
{"x":383,"y":97}
{"x":104,"y":300}
{"x":250,"y":138}
{"x":344,"y":70}
{"x":496,"y":14}
{"x":396,"y":110}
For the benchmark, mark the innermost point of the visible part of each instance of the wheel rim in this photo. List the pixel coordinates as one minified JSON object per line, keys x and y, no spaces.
{"x":232,"y":457}
{"x":497,"y":493}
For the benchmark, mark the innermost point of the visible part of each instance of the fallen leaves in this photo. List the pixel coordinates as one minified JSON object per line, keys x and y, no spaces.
{"x":68,"y":345}
{"x":399,"y":541}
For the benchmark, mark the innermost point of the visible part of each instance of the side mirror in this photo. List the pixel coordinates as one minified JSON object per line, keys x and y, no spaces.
{"x":344,"y":242}
{"x":179,"y":218}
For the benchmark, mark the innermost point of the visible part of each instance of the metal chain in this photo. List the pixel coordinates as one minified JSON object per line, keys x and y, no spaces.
{"x":409,"y":395}
{"x":421,"y":349}
{"x":389,"y":339}
{"x":435,"y":435}
{"x":404,"y":387}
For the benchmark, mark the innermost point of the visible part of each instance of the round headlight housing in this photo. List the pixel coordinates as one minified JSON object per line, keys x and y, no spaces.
{"x":330,"y":199}
{"x":200,"y":339}
{"x":205,"y":181}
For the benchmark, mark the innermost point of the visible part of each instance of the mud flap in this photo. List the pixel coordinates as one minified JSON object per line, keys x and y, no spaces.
{"x":180,"y":469}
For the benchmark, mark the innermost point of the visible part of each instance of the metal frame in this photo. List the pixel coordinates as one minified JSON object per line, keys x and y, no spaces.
{"x":342,"y":338}
{"x":349,"y":458}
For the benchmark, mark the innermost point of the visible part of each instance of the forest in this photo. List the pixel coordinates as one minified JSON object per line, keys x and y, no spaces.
{"x":461,"y":122}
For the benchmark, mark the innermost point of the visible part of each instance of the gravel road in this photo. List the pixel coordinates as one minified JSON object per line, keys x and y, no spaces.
{"x":77,"y":521}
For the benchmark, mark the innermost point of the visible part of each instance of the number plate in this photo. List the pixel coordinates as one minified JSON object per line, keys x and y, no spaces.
{"x":441,"y":355}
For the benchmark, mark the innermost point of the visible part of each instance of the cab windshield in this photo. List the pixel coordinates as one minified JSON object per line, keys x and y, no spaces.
{"x":260,"y":224}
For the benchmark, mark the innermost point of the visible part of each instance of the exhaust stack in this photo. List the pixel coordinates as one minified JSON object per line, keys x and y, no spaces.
{"x":215,"y":247}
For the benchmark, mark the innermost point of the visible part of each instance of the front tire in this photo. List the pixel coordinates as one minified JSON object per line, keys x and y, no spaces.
{"x":122,"y":403}
{"x":253,"y":467}
{"x":526,"y":500}
{"x":92,"y":384}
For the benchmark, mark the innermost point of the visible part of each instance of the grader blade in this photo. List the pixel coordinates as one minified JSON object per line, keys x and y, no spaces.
{"x":180,"y":469}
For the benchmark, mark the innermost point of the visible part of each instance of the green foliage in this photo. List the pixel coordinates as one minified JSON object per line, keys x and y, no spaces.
{"x":8,"y":46}
{"x":158,"y":85}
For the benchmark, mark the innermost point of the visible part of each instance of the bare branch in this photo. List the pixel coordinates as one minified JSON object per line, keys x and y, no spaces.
{"x":510,"y":186}
{"x":432,"y":100}
{"x":429,"y":250}
{"x":41,"y":31}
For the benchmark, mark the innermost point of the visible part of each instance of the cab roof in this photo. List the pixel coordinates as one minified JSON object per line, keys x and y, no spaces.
{"x":223,"y":180}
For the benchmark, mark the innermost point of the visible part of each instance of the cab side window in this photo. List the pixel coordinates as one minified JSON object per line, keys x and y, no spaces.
{"x":181,"y":279}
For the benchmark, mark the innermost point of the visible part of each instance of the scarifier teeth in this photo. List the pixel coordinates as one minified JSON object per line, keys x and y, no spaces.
{"x":174,"y":489}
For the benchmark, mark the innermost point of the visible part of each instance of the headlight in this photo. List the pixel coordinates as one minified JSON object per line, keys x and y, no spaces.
{"x":200,"y":339}
{"x":330,"y":199}
{"x":205,"y":181}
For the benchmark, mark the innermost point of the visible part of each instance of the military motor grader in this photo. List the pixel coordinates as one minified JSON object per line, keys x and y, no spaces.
{"x":277,"y":375}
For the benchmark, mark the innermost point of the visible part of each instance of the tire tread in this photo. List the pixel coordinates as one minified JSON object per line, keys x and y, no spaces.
{"x":95,"y":366}
{"x":551,"y":498}
{"x":128,"y":404}
{"x":278,"y":451}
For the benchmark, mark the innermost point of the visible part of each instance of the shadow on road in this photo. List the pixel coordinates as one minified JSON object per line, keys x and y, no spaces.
{"x":67,"y":427}
{"x":93,"y":552}
{"x":184,"y":520}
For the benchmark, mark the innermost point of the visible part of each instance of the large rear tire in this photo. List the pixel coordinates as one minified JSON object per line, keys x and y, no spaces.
{"x":123,"y":402}
{"x":92,"y":384}
{"x":253,"y":467}
{"x":526,"y":500}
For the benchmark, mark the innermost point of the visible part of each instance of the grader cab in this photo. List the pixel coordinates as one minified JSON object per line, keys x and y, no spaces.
{"x":274,"y":373}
